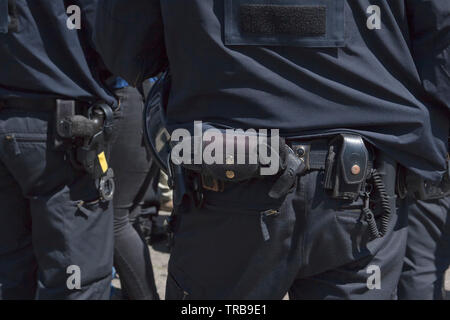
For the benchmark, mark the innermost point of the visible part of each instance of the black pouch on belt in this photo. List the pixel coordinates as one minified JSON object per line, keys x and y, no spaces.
{"x":243,"y":160}
{"x":347,"y":166}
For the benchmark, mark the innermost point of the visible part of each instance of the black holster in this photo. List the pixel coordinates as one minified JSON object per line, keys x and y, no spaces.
{"x":87,"y":138}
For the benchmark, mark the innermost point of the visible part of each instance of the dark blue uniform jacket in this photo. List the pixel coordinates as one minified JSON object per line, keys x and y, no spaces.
{"x":41,"y":57}
{"x":307,"y":67}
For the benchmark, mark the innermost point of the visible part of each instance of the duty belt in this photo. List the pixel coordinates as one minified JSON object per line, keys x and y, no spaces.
{"x":349,"y":174}
{"x":33,"y":105}
{"x":316,"y":155}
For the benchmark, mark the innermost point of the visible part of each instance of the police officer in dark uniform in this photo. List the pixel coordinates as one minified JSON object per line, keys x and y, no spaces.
{"x":428,"y":248}
{"x":354,"y":88}
{"x":428,"y":251}
{"x":56,"y":122}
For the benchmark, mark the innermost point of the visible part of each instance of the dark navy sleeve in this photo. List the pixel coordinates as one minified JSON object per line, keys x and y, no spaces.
{"x":429,"y":22}
{"x":130,"y":38}
{"x":88,"y":11}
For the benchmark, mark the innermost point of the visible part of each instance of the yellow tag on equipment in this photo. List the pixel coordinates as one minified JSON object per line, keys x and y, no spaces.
{"x":103,"y":162}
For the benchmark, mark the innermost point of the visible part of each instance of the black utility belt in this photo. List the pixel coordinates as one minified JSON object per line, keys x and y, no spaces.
{"x":40,"y":104}
{"x":349,"y":174}
{"x":425,"y":190}
{"x":346,"y":160}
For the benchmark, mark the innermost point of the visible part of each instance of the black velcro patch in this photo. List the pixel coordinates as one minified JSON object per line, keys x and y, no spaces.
{"x":283,"y":19}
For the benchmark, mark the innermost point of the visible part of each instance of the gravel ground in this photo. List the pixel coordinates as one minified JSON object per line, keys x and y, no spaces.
{"x":160,"y":258}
